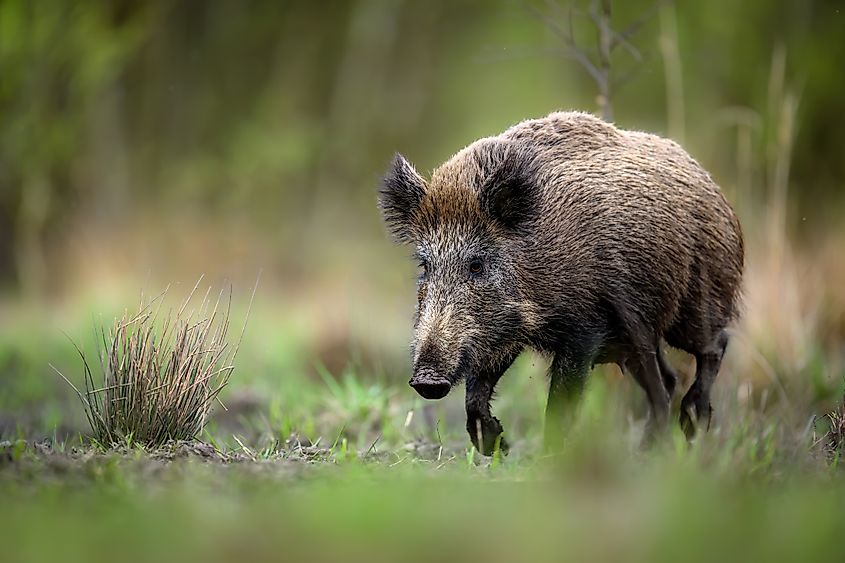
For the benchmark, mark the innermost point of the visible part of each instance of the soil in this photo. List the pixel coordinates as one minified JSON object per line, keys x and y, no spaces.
{"x":36,"y":461}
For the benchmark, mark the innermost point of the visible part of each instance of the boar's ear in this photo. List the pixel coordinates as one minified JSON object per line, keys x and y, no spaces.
{"x":508,"y":193}
{"x":401,"y":192}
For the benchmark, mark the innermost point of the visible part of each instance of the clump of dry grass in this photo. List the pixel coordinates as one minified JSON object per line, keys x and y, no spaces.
{"x":832,"y":442}
{"x":161,"y":372}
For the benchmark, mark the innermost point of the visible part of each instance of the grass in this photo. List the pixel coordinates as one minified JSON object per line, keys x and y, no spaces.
{"x":159,"y":377}
{"x":755,"y":488}
{"x":355,"y":467}
{"x":310,"y":463}
{"x":316,"y":465}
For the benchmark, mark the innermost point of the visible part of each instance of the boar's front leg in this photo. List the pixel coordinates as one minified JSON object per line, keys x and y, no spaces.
{"x":482,"y":426}
{"x":567,"y":377}
{"x":484,"y":429}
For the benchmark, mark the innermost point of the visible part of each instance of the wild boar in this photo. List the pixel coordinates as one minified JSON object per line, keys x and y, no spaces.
{"x":580,"y":240}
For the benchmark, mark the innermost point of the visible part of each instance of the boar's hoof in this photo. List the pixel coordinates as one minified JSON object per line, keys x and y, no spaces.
{"x":484,"y":436}
{"x":430,"y":387}
{"x":694,"y":417}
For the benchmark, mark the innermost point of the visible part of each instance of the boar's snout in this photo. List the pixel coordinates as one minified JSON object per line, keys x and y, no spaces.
{"x":429,"y":385}
{"x":429,"y":379}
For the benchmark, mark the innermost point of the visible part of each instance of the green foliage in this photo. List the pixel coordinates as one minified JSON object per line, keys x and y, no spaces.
{"x":56,"y":60}
{"x":286,"y":112}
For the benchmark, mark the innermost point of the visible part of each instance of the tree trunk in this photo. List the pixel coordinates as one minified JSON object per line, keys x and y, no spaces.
{"x":30,"y":260}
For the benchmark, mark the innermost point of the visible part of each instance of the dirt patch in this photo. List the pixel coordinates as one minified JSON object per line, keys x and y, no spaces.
{"x":36,"y":462}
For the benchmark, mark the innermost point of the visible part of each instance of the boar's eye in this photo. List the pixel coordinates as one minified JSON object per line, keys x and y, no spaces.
{"x":476,"y":267}
{"x":422,"y":269}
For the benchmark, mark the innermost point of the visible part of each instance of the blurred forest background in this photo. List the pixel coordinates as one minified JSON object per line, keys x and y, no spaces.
{"x":144,"y":143}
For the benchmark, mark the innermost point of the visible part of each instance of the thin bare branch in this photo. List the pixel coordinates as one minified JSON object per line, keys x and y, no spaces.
{"x":632,"y":29}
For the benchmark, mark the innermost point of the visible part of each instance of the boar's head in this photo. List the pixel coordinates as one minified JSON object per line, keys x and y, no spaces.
{"x":470,"y":226}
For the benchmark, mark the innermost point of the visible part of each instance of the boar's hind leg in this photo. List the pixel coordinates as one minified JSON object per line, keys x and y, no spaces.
{"x":645,"y":366}
{"x":567,"y":377}
{"x":670,"y":376}
{"x":695,"y":406}
{"x":484,"y":428}
{"x":645,"y":362}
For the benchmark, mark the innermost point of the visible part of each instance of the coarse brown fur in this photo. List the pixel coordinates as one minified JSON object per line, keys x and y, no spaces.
{"x":576,"y":238}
